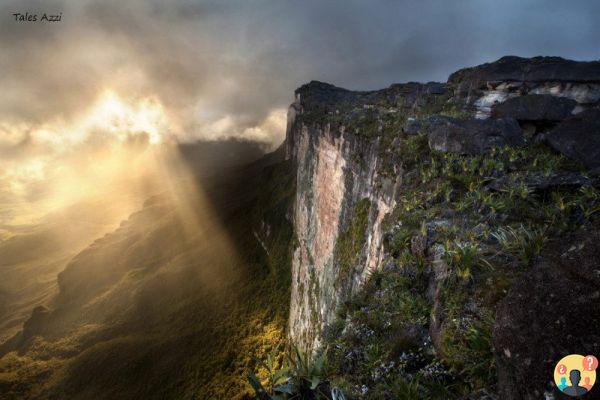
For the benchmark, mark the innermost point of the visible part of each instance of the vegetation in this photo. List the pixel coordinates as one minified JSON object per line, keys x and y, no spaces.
{"x":171,"y":329}
{"x":449,"y":214}
{"x":350,"y":243}
{"x":303,"y":377}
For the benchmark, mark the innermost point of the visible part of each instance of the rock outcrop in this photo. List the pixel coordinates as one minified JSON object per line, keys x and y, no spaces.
{"x":479,"y":88}
{"x":335,"y":170}
{"x":335,"y":138}
{"x":35,"y":324}
{"x":528,"y":70}
{"x":535,"y":108}
{"x":579,"y":138}
{"x":473,"y":136}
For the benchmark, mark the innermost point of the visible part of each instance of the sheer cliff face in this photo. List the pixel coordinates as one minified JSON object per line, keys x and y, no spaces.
{"x":342,"y":144}
{"x":330,"y":185}
{"x":341,"y":201}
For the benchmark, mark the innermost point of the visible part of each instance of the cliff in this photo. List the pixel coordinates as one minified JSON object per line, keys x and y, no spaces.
{"x":334,"y":137}
{"x":409,"y":184}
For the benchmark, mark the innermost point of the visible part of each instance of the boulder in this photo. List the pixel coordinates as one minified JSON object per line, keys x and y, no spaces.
{"x":472,"y":136}
{"x":550,"y":312}
{"x":578,"y":138}
{"x":535,"y":107}
{"x":413,"y":126}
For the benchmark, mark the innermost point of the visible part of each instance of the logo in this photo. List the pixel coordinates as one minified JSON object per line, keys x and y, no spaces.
{"x":575,"y":374}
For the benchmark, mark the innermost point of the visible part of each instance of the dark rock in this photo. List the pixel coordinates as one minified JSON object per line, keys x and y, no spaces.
{"x":472,"y":136}
{"x":413,"y":126}
{"x":315,"y":93}
{"x":328,"y":98}
{"x":536,"y":69}
{"x":535,"y":107}
{"x":549,"y":313}
{"x":578,"y":137}
{"x":540,"y":183}
{"x":435,"y":88}
{"x":413,"y":335}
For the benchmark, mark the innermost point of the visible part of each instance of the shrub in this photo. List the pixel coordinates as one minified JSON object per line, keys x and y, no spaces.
{"x":525,"y":244}
{"x":463,"y":257}
{"x":303,"y":377}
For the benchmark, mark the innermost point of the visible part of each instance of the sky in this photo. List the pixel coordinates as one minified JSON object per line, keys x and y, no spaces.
{"x":184,"y":70}
{"x":238,"y":62}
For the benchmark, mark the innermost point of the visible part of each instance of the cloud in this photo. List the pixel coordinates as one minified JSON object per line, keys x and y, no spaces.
{"x":211,"y":61}
{"x":268,"y":131}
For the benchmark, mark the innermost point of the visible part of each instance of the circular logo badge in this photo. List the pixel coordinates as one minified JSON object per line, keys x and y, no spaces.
{"x":575,"y":374}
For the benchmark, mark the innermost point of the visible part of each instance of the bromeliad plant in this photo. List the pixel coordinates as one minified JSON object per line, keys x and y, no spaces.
{"x":524,"y":243}
{"x":277,"y":381}
{"x":302,"y":378}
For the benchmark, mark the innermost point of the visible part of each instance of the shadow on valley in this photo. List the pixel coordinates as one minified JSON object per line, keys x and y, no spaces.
{"x":173,"y":303}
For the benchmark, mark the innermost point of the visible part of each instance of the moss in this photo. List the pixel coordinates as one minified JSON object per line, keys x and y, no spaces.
{"x":314,"y":297}
{"x":350,"y":243}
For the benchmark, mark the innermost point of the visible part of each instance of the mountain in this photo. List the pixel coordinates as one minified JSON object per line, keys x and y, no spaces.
{"x":432,"y":241}
{"x":427,"y":213}
{"x":171,"y":303}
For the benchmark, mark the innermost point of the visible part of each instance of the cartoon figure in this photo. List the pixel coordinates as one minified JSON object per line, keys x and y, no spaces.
{"x":581,"y":370}
{"x":563,"y":383}
{"x":575,"y":389}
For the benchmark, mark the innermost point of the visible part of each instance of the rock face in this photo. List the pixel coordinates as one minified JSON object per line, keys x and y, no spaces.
{"x":479,"y":88}
{"x":535,"y":107}
{"x":335,"y":139}
{"x":342,"y":142}
{"x":562,"y":292}
{"x":579,"y":138}
{"x":473,"y":136}
{"x":529,"y":70}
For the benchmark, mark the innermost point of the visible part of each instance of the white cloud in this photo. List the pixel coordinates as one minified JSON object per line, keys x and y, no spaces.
{"x":269,"y":131}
